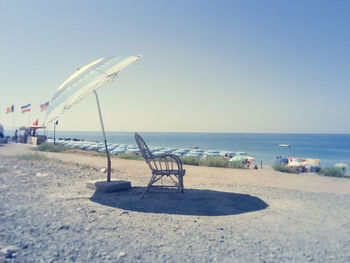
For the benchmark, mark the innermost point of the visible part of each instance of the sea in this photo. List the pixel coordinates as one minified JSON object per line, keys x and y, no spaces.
{"x":329,"y":148}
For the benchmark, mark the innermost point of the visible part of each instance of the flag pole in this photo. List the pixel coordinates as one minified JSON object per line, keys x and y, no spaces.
{"x":104,"y":137}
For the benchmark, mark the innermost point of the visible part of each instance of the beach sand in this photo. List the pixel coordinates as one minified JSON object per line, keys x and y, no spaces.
{"x":47,"y":214}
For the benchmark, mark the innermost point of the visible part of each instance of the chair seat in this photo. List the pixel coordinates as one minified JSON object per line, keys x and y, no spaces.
{"x":169,"y":172}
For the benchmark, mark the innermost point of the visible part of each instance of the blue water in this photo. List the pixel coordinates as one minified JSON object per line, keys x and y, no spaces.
{"x":329,"y":148}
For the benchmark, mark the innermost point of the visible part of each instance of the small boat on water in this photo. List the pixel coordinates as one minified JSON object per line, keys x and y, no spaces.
{"x":284,"y":145}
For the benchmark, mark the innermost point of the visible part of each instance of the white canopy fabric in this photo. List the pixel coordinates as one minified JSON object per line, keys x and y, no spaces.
{"x":341,"y":165}
{"x":82,"y":83}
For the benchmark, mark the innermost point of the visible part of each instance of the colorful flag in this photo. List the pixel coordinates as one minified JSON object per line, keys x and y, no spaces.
{"x":44,"y":106}
{"x":10,"y":109}
{"x":25,"y":108}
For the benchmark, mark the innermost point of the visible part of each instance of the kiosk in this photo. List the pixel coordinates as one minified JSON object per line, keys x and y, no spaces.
{"x":28,"y":134}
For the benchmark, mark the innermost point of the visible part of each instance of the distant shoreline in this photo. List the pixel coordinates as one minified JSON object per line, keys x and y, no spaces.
{"x":329,"y":148}
{"x":191,"y":132}
{"x":310,"y":182}
{"x":196,"y":132}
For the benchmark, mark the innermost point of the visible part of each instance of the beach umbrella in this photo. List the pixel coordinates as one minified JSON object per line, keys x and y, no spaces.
{"x":314,"y":160}
{"x":84,"y":82}
{"x":341,"y":165}
{"x":238,"y":159}
{"x":296,"y":164}
{"x":310,"y":163}
{"x":281,"y":160}
{"x":250,"y":158}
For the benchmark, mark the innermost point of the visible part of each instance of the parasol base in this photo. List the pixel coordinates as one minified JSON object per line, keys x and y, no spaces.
{"x":108,"y":187}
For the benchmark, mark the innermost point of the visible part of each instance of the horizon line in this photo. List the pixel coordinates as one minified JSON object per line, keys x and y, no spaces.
{"x":321,"y":133}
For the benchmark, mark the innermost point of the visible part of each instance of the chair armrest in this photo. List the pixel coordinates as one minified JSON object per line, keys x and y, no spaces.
{"x":173,"y":158}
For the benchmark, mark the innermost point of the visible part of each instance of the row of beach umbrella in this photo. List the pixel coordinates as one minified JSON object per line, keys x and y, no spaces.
{"x":297,"y":162}
{"x":115,"y":148}
{"x":307,"y":164}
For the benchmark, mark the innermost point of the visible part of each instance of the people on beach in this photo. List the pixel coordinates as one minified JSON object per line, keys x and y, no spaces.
{"x":1,"y":131}
{"x":25,"y":136}
{"x":15,"y":138}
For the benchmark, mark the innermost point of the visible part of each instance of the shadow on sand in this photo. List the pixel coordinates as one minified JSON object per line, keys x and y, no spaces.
{"x":191,"y":202}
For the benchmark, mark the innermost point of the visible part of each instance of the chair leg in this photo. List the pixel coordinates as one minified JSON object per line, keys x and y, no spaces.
{"x":148,"y":186}
{"x":181,"y":183}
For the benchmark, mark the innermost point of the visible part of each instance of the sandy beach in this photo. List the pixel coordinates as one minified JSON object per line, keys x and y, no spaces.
{"x":47,"y":214}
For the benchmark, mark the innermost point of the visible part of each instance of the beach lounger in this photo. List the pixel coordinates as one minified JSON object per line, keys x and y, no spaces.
{"x":161,"y":165}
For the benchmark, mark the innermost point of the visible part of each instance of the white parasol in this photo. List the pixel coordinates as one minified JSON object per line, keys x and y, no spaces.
{"x":341,"y":165}
{"x":84,"y":82}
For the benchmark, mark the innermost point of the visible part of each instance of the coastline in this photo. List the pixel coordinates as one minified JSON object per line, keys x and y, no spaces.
{"x":309,"y":182}
{"x":225,"y":215}
{"x":329,"y":148}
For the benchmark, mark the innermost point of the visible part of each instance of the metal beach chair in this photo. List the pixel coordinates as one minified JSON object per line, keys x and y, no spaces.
{"x":161,"y":165}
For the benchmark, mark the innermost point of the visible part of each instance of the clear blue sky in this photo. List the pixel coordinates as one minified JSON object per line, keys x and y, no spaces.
{"x":208,"y":66}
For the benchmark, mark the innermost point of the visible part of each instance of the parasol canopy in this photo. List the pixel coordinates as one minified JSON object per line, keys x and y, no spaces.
{"x":250,"y":158}
{"x":84,"y":81}
{"x":281,"y":160}
{"x":238,"y":158}
{"x":341,"y":165}
{"x":311,"y":163}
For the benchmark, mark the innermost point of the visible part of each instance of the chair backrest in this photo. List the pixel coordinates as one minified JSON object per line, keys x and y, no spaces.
{"x":146,"y":153}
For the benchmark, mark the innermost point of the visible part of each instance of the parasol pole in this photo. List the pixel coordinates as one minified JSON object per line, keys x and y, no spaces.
{"x":104,"y":136}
